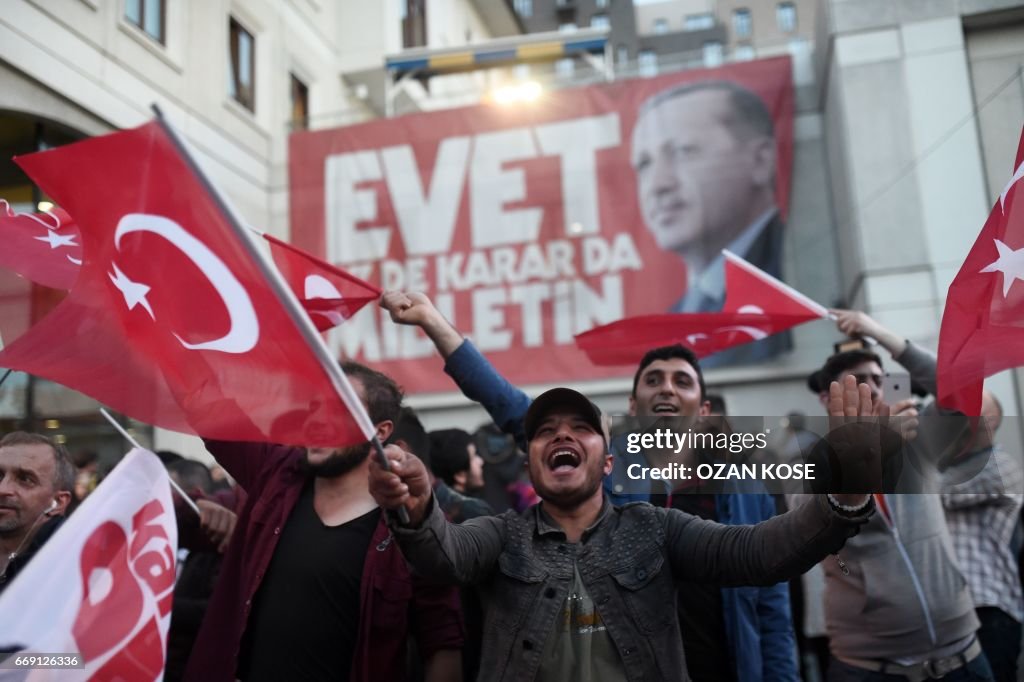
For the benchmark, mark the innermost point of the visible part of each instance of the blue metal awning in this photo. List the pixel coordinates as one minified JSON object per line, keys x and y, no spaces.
{"x":531,"y":47}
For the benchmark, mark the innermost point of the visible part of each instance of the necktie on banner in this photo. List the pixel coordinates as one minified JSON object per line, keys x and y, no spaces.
{"x":174,"y":319}
{"x":757,"y":305}
{"x":43,"y":247}
{"x":982,"y":330}
{"x":329,"y":294}
{"x":102,"y":586}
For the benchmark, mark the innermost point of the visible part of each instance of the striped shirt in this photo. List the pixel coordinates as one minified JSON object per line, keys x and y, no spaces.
{"x":983,"y":513}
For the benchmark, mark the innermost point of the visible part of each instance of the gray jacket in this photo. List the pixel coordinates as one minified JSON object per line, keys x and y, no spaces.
{"x":902,"y":594}
{"x":629,"y":561}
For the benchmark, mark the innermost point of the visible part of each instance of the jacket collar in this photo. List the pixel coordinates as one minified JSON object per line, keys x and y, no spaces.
{"x":545,"y":525}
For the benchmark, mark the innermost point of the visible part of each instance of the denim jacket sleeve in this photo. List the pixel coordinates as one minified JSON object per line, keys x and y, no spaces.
{"x":479,"y":381}
{"x":452,"y":553}
{"x":764,"y":554}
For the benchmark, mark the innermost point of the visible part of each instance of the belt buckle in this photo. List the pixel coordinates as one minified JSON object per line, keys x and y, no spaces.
{"x":938,"y":668}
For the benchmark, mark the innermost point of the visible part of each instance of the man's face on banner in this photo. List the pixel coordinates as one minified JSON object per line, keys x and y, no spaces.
{"x":697,"y":180}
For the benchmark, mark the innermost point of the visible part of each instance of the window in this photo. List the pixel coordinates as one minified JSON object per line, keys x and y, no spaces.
{"x":565,"y":67}
{"x":524,"y":8}
{"x":785,"y":16}
{"x":300,"y":105}
{"x":698,"y":22}
{"x":622,"y":54}
{"x":242,"y":46}
{"x":713,"y":53}
{"x":600,"y":21}
{"x":414,"y":23}
{"x":601,"y":4}
{"x":647,"y":62}
{"x":567,"y":28}
{"x":743,"y":53}
{"x":661,"y":25}
{"x":147,"y":15}
{"x":741,"y":23}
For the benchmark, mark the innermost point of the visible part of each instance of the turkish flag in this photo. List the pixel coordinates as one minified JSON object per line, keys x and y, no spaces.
{"x":982,"y":330}
{"x":329,"y":294}
{"x":102,"y":585}
{"x":172,"y":320}
{"x":41,"y":247}
{"x":749,"y":289}
{"x":757,"y":305}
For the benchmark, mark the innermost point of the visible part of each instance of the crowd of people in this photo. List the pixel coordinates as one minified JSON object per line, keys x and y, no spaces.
{"x":528,"y":555}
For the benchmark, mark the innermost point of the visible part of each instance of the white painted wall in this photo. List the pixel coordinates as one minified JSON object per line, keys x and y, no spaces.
{"x":80,"y":63}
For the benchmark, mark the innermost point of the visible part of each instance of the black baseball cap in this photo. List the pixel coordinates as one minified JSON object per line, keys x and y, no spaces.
{"x":561,"y":398}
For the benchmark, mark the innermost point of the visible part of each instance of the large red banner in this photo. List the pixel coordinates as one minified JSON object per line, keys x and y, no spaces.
{"x":530,"y":224}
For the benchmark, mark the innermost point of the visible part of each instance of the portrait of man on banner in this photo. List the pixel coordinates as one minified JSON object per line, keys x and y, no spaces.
{"x":704,"y":156}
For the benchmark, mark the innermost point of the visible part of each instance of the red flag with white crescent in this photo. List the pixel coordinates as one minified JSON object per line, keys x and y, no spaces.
{"x":42,"y":247}
{"x":749,"y":289}
{"x":172,"y":320}
{"x":757,"y":305}
{"x":329,"y":294}
{"x":101,"y":587}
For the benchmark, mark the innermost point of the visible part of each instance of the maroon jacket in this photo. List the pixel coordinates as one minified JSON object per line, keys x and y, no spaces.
{"x":393,"y":603}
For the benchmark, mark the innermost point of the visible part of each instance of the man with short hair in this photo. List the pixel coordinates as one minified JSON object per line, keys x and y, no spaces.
{"x":575,"y":588}
{"x":704,"y":157}
{"x":981,"y":493}
{"x":36,"y":483}
{"x":896,"y":605}
{"x":312,"y":587}
{"x":454,"y":459}
{"x":728,"y":634}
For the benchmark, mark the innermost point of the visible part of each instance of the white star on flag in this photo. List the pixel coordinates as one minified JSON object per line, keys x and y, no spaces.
{"x":58,"y":240}
{"x":1010,"y":263}
{"x":134,"y":292}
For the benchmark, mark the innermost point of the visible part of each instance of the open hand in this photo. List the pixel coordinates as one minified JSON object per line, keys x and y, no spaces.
{"x":859,"y":439}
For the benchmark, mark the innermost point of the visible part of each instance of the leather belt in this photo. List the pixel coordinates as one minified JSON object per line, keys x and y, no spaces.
{"x":932,"y":669}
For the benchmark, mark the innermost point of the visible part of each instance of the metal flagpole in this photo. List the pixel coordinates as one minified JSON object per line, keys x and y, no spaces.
{"x":287,"y":298}
{"x":128,"y":437}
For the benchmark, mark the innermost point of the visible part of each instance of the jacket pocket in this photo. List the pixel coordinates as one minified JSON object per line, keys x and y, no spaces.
{"x":648,"y":592}
{"x":390,"y":608}
{"x":520,"y":581}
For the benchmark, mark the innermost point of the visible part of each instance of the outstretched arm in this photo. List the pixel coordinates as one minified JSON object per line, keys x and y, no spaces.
{"x":475,"y":376}
{"x":786,"y":546}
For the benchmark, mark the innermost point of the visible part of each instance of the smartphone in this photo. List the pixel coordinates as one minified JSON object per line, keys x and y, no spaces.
{"x":896,"y":387}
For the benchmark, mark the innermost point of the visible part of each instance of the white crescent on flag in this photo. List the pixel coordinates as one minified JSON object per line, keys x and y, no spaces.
{"x":245,"y":329}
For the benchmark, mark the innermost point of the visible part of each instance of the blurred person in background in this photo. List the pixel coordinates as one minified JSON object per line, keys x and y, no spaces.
{"x":455,"y":460}
{"x":982,"y":495}
{"x":897,"y":606}
{"x":202,"y":540}
{"x":36,"y":483}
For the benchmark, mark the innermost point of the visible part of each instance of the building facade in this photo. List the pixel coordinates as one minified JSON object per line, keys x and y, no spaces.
{"x":907,"y":117}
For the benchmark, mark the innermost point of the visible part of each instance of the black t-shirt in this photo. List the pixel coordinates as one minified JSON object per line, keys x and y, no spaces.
{"x":708,"y":656}
{"x":305,"y":616}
